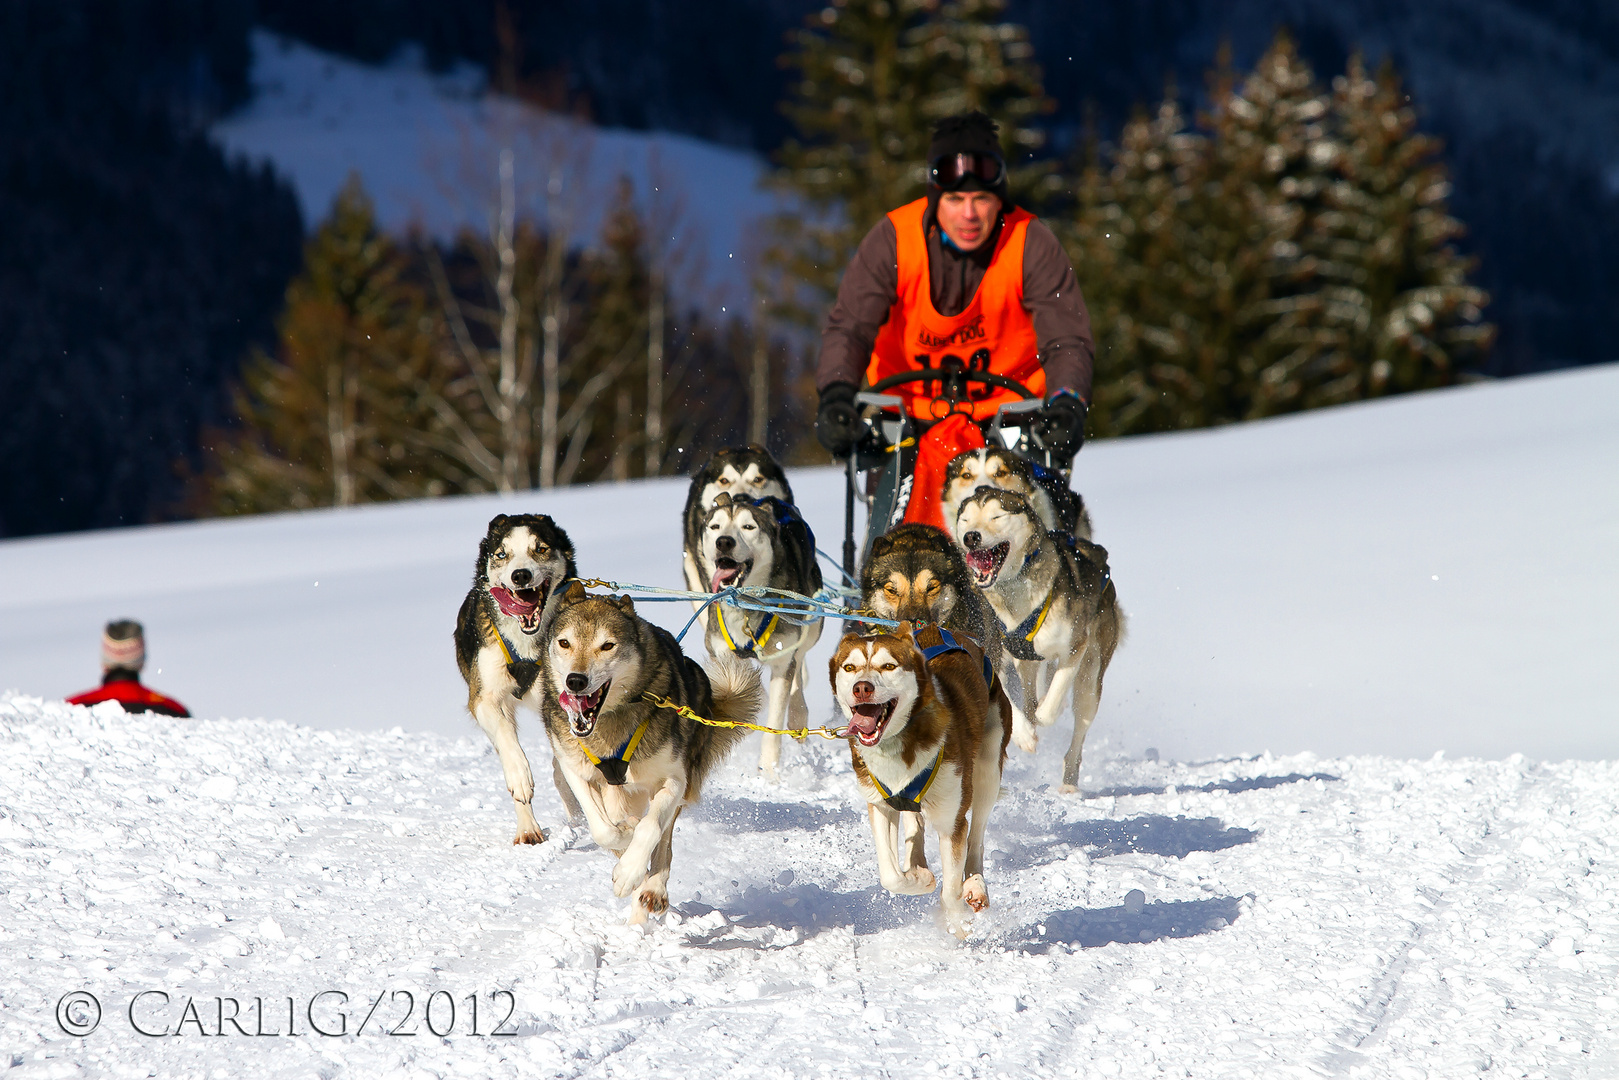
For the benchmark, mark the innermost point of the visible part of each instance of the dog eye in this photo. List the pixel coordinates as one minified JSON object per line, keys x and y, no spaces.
{"x":848,"y":667}
{"x":750,"y":528}
{"x":933,"y":587}
{"x":501,"y":556}
{"x":724,"y":482}
{"x":607,"y":646}
{"x":890,"y":590}
{"x":562,"y":643}
{"x":888,"y":667}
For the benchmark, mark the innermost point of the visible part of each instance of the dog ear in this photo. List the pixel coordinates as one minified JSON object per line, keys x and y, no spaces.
{"x":623,"y":603}
{"x":904,"y":629}
{"x":497,"y":521}
{"x":574,"y":593}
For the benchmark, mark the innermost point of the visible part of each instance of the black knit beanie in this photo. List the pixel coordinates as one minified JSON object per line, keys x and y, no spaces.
{"x":967,"y":133}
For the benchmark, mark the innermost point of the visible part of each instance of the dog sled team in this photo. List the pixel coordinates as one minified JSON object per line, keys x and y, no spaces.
{"x":985,"y":609}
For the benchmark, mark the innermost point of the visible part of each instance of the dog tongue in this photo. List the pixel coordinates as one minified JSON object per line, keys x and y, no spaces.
{"x":509,"y":603}
{"x":982,"y":559}
{"x":865,"y":719}
{"x":721,"y":577}
{"x":572,"y":702}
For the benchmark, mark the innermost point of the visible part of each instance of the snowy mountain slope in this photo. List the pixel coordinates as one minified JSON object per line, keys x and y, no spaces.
{"x":1358,"y":917}
{"x":1280,"y":580}
{"x":427,"y":148}
{"x":1348,"y":914}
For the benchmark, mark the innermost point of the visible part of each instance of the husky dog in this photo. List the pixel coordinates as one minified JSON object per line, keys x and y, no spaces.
{"x":1057,"y":602}
{"x":522,"y":562}
{"x":1059,"y":507}
{"x":737,"y":470}
{"x":927,"y":732}
{"x":914,"y":572}
{"x":632,"y":764}
{"x":761,"y":542}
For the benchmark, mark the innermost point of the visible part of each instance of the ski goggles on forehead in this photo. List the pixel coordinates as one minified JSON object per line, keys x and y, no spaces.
{"x":952,"y":170}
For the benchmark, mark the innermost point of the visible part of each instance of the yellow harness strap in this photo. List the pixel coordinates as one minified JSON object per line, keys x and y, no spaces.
{"x":754,"y":643}
{"x":1041,"y":621}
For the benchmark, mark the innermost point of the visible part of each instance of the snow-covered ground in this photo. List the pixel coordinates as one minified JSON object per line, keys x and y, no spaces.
{"x":1298,"y":887}
{"x":427,"y":148}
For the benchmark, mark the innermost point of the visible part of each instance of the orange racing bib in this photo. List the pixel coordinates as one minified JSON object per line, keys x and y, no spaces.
{"x":993,"y":333}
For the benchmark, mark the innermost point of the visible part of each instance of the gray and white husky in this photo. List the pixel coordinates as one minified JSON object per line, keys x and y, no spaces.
{"x":523,"y":561}
{"x":737,"y":470}
{"x":1058,"y":506}
{"x":761,"y":542}
{"x":631,"y":764}
{"x":1058,"y":605}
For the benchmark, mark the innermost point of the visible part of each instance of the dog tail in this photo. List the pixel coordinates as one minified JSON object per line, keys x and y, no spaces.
{"x":738,"y":693}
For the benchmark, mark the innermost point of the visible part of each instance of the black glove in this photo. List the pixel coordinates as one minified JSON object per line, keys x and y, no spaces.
{"x":837,"y":424}
{"x":1061,"y":424}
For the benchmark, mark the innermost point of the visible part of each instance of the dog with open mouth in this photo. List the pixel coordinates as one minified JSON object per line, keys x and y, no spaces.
{"x":1058,"y":506}
{"x":928,"y":724}
{"x":631,"y":764}
{"x":1057,"y":604}
{"x":746,"y":471}
{"x":761,"y":542}
{"x":523,"y":561}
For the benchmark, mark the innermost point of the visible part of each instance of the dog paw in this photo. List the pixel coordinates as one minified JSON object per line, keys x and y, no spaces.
{"x":530,"y":836}
{"x":651,"y":902}
{"x":627,"y":876}
{"x":1024,"y":735}
{"x":915,"y":882}
{"x":974,"y":893}
{"x":521,"y":785}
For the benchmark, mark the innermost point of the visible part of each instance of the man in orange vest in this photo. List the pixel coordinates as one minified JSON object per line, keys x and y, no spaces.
{"x":123,"y":654}
{"x":959,"y":276}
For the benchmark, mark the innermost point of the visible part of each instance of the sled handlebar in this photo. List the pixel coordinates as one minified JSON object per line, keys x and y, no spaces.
{"x":958,"y":375}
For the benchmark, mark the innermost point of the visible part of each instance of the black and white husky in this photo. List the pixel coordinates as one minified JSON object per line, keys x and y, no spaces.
{"x":761,"y":542}
{"x":738,"y":470}
{"x":523,"y":562}
{"x":1055,"y":598}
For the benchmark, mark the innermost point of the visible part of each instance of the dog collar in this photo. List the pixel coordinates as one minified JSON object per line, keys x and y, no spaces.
{"x":909,"y":798}
{"x":755,"y":642}
{"x":615,"y":769}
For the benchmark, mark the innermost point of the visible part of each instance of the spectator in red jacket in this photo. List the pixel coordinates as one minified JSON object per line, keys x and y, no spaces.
{"x":123,"y":654}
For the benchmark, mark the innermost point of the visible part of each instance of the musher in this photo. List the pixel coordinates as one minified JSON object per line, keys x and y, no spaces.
{"x":959,"y":277}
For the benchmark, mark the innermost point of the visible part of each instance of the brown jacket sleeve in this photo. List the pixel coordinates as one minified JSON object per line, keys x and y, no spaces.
{"x":865,"y":295}
{"x":1062,"y":325}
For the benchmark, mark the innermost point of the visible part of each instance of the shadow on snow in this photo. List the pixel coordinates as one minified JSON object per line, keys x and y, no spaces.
{"x":1087,"y":928}
{"x":1252,"y":783}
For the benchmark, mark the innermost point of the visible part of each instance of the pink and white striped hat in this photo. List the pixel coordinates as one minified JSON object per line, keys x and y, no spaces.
{"x":123,"y":645}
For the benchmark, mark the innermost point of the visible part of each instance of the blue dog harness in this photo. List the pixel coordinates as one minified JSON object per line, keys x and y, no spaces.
{"x":909,"y":798}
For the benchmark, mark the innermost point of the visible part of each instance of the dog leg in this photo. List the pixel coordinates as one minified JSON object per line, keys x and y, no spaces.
{"x":885,"y":832}
{"x":1056,"y":695}
{"x":570,"y":805}
{"x":781,"y":688}
{"x":986,"y":790}
{"x":912,"y":856}
{"x":952,"y":866}
{"x":497,"y":715}
{"x":1087,"y":698}
{"x":632,"y":866}
{"x":653,"y":899}
{"x":607,"y":835}
{"x":1023,"y":732}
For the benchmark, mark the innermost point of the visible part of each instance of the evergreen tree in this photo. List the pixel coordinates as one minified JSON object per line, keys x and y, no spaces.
{"x":1293,"y":254}
{"x":875,"y":76}
{"x":1398,"y":291}
{"x":332,"y":419}
{"x":1134,"y":232}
